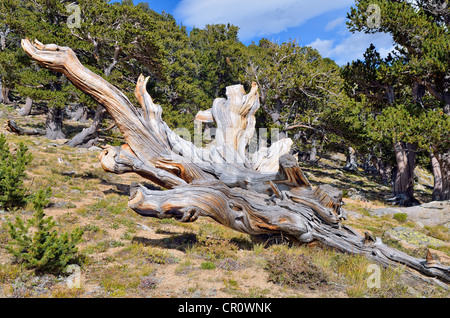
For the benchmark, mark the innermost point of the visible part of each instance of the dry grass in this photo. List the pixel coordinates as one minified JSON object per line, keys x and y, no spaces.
{"x":131,"y":256}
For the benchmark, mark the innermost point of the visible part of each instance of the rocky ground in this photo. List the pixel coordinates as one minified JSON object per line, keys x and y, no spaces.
{"x":127,"y":255}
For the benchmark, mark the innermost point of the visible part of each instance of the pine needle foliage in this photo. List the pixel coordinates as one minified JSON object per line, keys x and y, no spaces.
{"x":36,"y":244}
{"x":12,"y":172}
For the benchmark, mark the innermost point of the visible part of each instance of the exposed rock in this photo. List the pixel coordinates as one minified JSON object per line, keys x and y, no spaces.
{"x":410,"y":236}
{"x":63,"y":204}
{"x":64,"y":162}
{"x":424,"y":178}
{"x":60,"y":141}
{"x":338,"y":157}
{"x":70,"y":173}
{"x":95,"y":148}
{"x":143,"y":227}
{"x":428,"y":214}
{"x":354,"y":194}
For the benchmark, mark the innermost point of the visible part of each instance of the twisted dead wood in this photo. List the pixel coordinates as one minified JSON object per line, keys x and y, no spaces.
{"x":264,"y":192}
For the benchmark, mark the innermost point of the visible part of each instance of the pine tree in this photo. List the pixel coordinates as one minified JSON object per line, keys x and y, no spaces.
{"x":37,"y":245}
{"x":299,"y":90}
{"x":12,"y":172}
{"x":220,"y":55}
{"x":116,"y":40}
{"x":421,"y":31}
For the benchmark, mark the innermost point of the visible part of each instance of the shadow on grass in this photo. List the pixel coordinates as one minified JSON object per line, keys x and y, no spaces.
{"x":184,"y":241}
{"x":124,"y":189}
{"x":180,"y":242}
{"x":368,"y":185}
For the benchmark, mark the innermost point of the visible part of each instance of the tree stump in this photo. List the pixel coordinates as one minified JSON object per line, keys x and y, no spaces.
{"x":261,"y":193}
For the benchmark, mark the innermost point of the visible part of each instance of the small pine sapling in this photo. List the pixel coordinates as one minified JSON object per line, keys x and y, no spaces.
{"x":37,"y":245}
{"x":12,"y":172}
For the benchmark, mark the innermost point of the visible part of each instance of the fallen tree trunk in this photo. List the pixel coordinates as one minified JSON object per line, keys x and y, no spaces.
{"x":258,"y":193}
{"x":12,"y":126}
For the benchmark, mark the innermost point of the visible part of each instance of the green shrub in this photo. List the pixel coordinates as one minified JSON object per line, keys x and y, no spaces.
{"x":208,"y":265}
{"x":37,"y":245}
{"x":12,"y":173}
{"x":294,"y":270}
{"x":401,"y":217}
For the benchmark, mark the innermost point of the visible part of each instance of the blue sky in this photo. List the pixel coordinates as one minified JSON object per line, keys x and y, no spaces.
{"x":319,"y":23}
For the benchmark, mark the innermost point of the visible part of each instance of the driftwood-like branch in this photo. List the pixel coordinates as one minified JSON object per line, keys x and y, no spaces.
{"x":260,"y":192}
{"x":12,"y":126}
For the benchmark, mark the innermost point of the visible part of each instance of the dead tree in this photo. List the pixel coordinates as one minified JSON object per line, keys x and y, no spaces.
{"x":12,"y":126}
{"x":265,"y":193}
{"x":351,"y":163}
{"x":89,"y":135}
{"x":26,"y":109}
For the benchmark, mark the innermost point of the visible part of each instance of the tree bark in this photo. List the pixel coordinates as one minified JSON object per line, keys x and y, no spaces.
{"x":440,"y":163}
{"x":5,"y":93}
{"x":3,"y":36}
{"x":108,"y":69}
{"x":53,"y":124}
{"x":351,"y":164}
{"x":220,"y":181}
{"x":403,"y":181}
{"x":443,"y":159}
{"x":12,"y":126}
{"x":80,"y":113}
{"x":437,"y":175}
{"x":1,"y":90}
{"x":383,"y":170}
{"x":26,"y":109}
{"x":313,"y":153}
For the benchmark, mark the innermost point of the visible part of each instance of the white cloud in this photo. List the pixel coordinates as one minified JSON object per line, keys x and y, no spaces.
{"x":353,"y":47}
{"x":255,"y":18}
{"x":325,"y":47}
{"x":334,"y":23}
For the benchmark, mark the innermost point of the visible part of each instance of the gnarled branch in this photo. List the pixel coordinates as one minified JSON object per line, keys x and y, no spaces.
{"x":266,"y":193}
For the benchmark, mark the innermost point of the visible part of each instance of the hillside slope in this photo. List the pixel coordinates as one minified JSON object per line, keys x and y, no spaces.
{"x":131,"y":256}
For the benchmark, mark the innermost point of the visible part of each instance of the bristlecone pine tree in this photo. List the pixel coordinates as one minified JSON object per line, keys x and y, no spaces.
{"x":42,"y":248}
{"x":421,"y":30}
{"x":12,"y":172}
{"x":260,"y":193}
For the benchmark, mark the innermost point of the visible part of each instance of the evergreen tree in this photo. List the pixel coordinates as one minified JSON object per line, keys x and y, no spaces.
{"x":12,"y":172}
{"x":46,"y":21}
{"x":421,"y":31}
{"x":221,"y":57}
{"x":116,"y":40}
{"x":178,"y":89}
{"x":299,"y":90}
{"x":42,"y":248}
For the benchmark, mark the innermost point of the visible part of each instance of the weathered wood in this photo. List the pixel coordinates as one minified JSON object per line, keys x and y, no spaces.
{"x":54,"y":123}
{"x":264,"y":192}
{"x":26,"y":109}
{"x":89,"y":135}
{"x":79,"y":114}
{"x":351,"y":163}
{"x":12,"y":126}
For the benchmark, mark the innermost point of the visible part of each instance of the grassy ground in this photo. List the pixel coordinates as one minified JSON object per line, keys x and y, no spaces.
{"x":131,"y":256}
